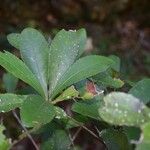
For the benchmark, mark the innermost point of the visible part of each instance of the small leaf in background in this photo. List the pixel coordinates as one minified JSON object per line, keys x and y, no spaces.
{"x":141,"y":90}
{"x":69,"y":93}
{"x":88,"y":108}
{"x":17,"y":68}
{"x":34,"y":51}
{"x":107,"y":80}
{"x":14,"y":39}
{"x":114,"y":139}
{"x":123,"y":109}
{"x":4,"y":143}
{"x":36,"y":111}
{"x":65,"y":48}
{"x":145,"y":139}
{"x":10,"y":82}
{"x":80,"y":70}
{"x":116,"y":64}
{"x":11,"y":101}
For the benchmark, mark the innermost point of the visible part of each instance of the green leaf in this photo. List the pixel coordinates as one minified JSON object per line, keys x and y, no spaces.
{"x":4,"y":143}
{"x":10,"y":101}
{"x":141,"y":90}
{"x":133,"y":134}
{"x":36,"y":111}
{"x":81,"y":69}
{"x":59,"y":140}
{"x":67,"y":121}
{"x":145,"y":143}
{"x":88,"y":108}
{"x":123,"y":109}
{"x":10,"y":82}
{"x":116,"y":64}
{"x":14,"y":39}
{"x":17,"y":68}
{"x":115,"y":140}
{"x":34,"y":51}
{"x":65,"y":48}
{"x":69,"y":93}
{"x":105,"y":79}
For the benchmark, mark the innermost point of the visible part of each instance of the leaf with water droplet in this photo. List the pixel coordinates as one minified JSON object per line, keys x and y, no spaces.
{"x":141,"y":90}
{"x":34,"y":51}
{"x":10,"y":101}
{"x":65,"y":48}
{"x":123,"y":109}
{"x":36,"y":111}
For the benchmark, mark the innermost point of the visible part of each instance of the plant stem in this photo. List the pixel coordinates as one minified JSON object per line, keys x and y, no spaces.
{"x":26,"y":131}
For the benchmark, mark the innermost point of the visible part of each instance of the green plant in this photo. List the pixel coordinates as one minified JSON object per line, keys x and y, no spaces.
{"x":57,"y":73}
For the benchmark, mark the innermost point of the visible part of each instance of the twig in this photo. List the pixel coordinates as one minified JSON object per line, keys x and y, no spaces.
{"x":85,"y":128}
{"x":91,"y":132}
{"x":71,"y":142}
{"x":25,"y":130}
{"x":76,"y":134}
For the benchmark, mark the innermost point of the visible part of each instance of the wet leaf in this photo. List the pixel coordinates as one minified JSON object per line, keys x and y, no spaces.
{"x":10,"y":101}
{"x":34,"y":51}
{"x":123,"y":109}
{"x":65,"y":48}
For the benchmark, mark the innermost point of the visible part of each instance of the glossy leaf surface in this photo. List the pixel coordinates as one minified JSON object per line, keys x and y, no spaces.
{"x":16,"y":67}
{"x":10,"y":101}
{"x":123,"y":109}
{"x":65,"y":48}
